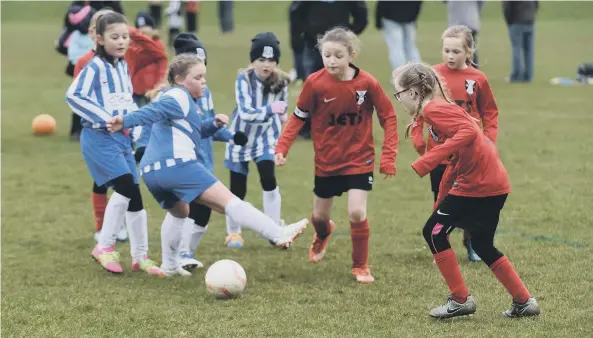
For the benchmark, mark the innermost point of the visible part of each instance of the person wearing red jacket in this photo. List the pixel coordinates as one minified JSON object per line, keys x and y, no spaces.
{"x":477,"y":196}
{"x":147,"y":61}
{"x":340,"y":100}
{"x":143,"y":51}
{"x":469,"y":89}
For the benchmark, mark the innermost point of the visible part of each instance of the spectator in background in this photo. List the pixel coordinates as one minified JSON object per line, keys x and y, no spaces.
{"x":397,"y":22}
{"x":174,"y":12}
{"x":99,"y":5}
{"x":297,"y":44}
{"x":155,"y":8}
{"x":466,"y":13}
{"x":79,"y":43}
{"x":192,"y":13}
{"x":226,"y":16}
{"x":314,"y":18}
{"x":148,"y":73}
{"x":520,"y":18}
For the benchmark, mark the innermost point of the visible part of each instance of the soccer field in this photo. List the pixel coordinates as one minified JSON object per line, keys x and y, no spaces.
{"x":51,"y":287}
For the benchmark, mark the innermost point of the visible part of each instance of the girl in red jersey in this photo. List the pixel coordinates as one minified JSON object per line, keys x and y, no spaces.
{"x":469,"y":89}
{"x":477,"y":196}
{"x":340,"y":100}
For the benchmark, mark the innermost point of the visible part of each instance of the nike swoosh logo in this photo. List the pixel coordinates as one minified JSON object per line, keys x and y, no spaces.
{"x":441,"y":213}
{"x":450,"y":311}
{"x":328,"y":100}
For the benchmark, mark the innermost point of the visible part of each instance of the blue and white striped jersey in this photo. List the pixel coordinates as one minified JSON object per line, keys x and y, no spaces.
{"x":177,"y":126}
{"x":205,"y":152}
{"x":253,"y":116}
{"x":101,"y":90}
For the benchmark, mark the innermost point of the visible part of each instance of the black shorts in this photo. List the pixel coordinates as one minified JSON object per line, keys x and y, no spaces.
{"x":475,"y":214}
{"x":335,"y":186}
{"x":436,"y":176}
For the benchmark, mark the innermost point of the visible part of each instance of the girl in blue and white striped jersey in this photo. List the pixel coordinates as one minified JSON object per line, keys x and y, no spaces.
{"x":261,"y":94}
{"x":199,"y":215}
{"x":102,"y":90}
{"x":174,"y":175}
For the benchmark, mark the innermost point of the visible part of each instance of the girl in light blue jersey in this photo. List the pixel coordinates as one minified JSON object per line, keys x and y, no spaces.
{"x":101,"y":91}
{"x":261,"y":93}
{"x":172,"y":172}
{"x":199,"y":215}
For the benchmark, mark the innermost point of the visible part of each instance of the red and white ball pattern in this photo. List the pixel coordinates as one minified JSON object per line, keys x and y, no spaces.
{"x":225,"y":279}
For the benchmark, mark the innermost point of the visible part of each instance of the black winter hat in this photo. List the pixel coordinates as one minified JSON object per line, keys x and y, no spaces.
{"x":265,"y":45}
{"x":144,"y":19}
{"x":189,"y":43}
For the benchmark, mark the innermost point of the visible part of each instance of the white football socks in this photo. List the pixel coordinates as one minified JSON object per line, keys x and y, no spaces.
{"x":114,"y":217}
{"x":191,"y":236}
{"x":246,"y":215}
{"x":138,"y":231}
{"x":170,"y":239}
{"x":272,"y":204}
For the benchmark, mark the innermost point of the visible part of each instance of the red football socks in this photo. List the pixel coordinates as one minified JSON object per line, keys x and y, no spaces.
{"x":506,"y":274}
{"x":447,"y":264}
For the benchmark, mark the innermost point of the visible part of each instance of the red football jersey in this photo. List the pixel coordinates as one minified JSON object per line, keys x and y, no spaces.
{"x":469,"y":89}
{"x":478,"y":171}
{"x":82,"y":61}
{"x":341,"y":115}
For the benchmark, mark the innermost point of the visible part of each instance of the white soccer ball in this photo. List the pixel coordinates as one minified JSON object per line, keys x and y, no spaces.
{"x":225,"y":279}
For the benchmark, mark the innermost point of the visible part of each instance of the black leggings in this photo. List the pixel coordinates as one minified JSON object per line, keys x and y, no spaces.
{"x":125,"y":186}
{"x":76,"y":127}
{"x":267,"y":178}
{"x":478,"y":215}
{"x":99,"y":189}
{"x":436,"y":176}
{"x":199,"y":213}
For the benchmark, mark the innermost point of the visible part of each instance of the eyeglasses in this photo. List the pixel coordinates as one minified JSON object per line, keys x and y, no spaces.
{"x":398,"y":94}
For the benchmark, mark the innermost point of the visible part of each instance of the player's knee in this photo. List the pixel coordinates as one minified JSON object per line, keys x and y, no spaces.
{"x":357,"y":214}
{"x":102,"y":190}
{"x":200,"y":214}
{"x":435,"y":235}
{"x":427,"y":231}
{"x":321,"y":215}
{"x":180,"y":210}
{"x":136,"y":200}
{"x":267,"y":175}
{"x":268,"y":183}
{"x":125,"y":186}
{"x":238,"y":185}
{"x":486,"y":250}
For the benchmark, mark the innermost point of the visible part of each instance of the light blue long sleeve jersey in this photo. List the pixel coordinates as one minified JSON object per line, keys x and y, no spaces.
{"x":253,"y":116}
{"x":177,"y":128}
{"x":206,"y":151}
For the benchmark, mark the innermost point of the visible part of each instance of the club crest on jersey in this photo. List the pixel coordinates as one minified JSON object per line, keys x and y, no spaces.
{"x":470,"y":86}
{"x":360,"y":96}
{"x":268,"y":52}
{"x":201,"y":53}
{"x":433,"y":134}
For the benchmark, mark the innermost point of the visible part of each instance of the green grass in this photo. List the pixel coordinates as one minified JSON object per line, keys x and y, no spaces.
{"x":51,"y":287}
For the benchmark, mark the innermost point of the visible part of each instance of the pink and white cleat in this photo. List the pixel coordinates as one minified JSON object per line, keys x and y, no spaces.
{"x":148,"y":266}
{"x":108,"y":258}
